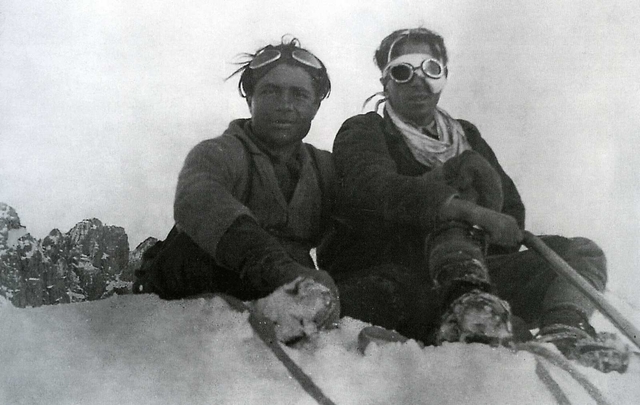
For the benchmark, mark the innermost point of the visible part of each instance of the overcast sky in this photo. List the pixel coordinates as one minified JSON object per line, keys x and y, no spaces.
{"x":101,"y":100}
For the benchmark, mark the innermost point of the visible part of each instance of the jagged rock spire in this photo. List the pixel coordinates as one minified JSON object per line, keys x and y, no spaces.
{"x":89,"y":262}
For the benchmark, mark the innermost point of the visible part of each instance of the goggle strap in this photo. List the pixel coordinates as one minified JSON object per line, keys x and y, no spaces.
{"x":395,"y":41}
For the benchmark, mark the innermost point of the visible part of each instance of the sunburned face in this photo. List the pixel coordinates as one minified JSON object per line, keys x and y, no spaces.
{"x":416,"y":100}
{"x":283,"y":105}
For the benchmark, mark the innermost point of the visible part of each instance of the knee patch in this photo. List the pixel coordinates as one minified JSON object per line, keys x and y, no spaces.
{"x":589,"y":261}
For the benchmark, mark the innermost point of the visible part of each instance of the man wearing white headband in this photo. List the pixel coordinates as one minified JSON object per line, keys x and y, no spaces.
{"x":430,"y":225}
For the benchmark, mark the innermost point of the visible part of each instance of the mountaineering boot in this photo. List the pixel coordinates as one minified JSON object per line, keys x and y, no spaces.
{"x":576,"y":339}
{"x":477,"y":317}
{"x":472,"y":313}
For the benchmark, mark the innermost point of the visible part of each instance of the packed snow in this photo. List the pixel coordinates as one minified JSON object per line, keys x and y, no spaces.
{"x":138,"y":349}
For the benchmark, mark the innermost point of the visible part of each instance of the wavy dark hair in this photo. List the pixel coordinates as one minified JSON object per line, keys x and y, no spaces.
{"x":399,"y":38}
{"x":250,"y":77}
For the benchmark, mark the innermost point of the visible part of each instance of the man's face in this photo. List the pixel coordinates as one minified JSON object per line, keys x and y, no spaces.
{"x":282,"y":106}
{"x":416,"y":100}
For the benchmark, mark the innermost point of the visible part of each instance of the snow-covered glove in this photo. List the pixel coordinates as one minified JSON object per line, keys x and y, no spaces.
{"x":263,"y":262}
{"x":302,"y":307}
{"x":475,"y":179}
{"x":329,"y":316}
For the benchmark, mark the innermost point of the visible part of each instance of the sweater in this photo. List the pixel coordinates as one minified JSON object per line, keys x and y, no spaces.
{"x":386,"y":207}
{"x":229,"y":176}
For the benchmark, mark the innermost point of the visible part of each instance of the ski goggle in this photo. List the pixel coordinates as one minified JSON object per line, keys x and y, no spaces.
{"x":268,"y":56}
{"x":403,"y":72}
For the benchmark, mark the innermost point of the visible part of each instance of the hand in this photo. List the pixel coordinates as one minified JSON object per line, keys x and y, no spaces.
{"x":475,"y":179}
{"x":502,"y":229}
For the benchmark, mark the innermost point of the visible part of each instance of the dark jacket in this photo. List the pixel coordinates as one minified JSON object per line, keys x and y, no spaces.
{"x":386,"y":207}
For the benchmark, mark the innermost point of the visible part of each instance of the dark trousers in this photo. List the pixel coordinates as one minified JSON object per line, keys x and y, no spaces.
{"x":405,"y":299}
{"x":177,"y":268}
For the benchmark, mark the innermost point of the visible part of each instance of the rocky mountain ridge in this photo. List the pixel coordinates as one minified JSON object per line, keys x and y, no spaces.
{"x":89,"y":262}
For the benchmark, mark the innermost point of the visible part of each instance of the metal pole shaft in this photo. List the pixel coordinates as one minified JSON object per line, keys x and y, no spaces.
{"x":563,"y":268}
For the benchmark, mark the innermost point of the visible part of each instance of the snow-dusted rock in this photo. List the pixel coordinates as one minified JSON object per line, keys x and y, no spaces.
{"x":91,"y":261}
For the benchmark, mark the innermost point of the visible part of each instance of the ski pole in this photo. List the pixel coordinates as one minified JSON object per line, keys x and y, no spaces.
{"x":565,"y":270}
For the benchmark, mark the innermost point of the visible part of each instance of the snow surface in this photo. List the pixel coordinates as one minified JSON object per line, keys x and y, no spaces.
{"x":142,"y":350}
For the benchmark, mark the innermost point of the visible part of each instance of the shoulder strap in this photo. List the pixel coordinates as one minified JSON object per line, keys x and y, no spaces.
{"x":326,"y":178}
{"x":324,"y":172}
{"x":314,"y":158}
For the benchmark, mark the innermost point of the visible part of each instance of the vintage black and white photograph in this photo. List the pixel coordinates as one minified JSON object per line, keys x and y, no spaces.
{"x":320,"y":202}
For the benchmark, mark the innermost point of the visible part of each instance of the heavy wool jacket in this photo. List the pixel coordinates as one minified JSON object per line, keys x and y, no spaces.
{"x":385,"y":206}
{"x":229,"y":176}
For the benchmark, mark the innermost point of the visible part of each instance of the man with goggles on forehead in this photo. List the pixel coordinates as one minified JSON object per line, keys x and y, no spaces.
{"x":252,"y":202}
{"x":430,"y":225}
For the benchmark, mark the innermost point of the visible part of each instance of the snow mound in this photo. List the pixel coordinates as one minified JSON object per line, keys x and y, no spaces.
{"x":142,"y":350}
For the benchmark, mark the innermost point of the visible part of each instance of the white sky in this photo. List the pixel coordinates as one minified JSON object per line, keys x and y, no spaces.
{"x":101,"y":100}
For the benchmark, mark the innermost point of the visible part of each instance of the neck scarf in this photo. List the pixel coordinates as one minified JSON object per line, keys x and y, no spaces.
{"x":426,"y":150}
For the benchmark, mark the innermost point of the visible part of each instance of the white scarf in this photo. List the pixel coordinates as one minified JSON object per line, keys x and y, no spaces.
{"x":426,"y":150}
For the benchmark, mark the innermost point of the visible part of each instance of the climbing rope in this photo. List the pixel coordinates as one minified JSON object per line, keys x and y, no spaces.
{"x":264,"y":328}
{"x":541,"y":352}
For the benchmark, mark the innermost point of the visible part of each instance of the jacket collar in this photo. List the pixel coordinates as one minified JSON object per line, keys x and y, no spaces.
{"x":241,"y":129}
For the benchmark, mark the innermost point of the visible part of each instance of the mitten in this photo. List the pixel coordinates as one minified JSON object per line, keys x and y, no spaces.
{"x":295,"y":293}
{"x":475,"y":179}
{"x":301,"y":308}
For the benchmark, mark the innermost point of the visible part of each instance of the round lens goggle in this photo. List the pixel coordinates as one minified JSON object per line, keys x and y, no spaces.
{"x":269,"y":56}
{"x":403,"y":72}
